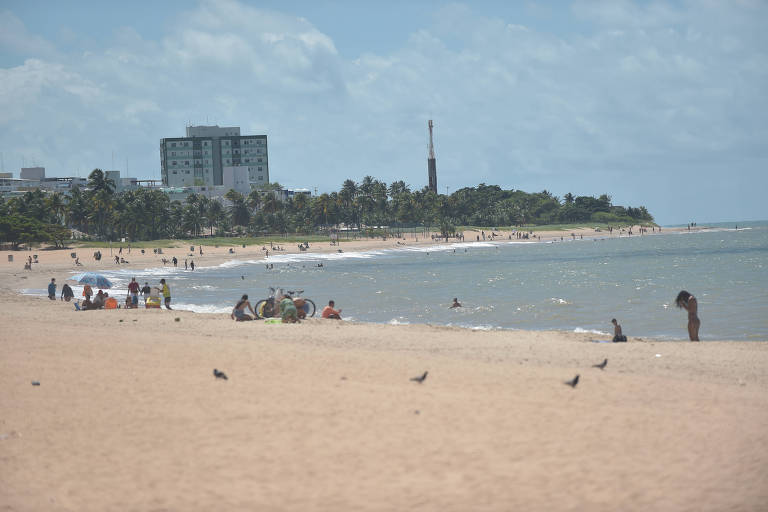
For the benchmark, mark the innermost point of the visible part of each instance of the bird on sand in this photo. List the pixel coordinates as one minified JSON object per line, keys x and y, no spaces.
{"x":572,"y":382}
{"x":601,"y":365}
{"x":420,"y":378}
{"x":219,"y":375}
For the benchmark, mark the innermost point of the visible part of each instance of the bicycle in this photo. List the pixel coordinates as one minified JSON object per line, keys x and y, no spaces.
{"x":270,"y":308}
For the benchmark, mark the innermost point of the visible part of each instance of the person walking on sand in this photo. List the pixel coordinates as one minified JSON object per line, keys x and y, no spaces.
{"x":192,"y":265}
{"x":166,"y":291}
{"x":688,"y":302}
{"x":617,"y":334}
{"x":52,"y":289}
{"x":238,"y":313}
{"x":133,"y":291}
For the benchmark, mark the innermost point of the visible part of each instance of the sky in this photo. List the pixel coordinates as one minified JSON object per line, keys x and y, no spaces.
{"x":660,"y":104}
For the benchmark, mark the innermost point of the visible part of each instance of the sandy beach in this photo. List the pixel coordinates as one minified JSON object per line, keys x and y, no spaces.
{"x":323,"y":415}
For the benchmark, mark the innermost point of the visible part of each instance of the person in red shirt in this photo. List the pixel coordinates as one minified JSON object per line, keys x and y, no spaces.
{"x":133,"y":290}
{"x":329,"y":312}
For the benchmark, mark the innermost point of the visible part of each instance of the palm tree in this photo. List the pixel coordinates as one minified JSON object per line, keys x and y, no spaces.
{"x":214,"y":214}
{"x":97,"y":181}
{"x":239,"y":209}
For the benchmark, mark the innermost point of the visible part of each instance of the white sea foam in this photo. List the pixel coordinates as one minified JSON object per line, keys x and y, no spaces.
{"x":202,"y":308}
{"x":580,"y":330}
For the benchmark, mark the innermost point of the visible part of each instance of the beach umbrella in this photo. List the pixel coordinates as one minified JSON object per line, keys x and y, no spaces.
{"x":93,"y":279}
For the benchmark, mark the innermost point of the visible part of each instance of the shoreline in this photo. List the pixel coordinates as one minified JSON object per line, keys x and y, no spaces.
{"x":57,"y":261}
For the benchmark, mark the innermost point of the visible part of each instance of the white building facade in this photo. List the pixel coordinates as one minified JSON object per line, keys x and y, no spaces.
{"x":199,"y":158}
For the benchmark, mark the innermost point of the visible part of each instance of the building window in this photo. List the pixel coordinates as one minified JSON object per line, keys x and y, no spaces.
{"x":260,"y":168}
{"x":260,"y":160}
{"x":261,"y":178}
{"x":173,"y":153}
{"x":186,"y":162}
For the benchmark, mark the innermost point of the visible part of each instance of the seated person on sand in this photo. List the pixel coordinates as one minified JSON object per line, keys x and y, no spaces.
{"x":288,"y":311}
{"x":238,"y":313}
{"x":87,"y":304}
{"x":329,"y":312}
{"x":66,"y":293}
{"x":617,"y":335}
{"x":456,"y":303}
{"x":98,"y":300}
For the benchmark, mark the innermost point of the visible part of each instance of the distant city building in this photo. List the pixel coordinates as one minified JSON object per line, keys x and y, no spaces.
{"x":284,"y":194}
{"x":32,"y":173}
{"x":199,"y":158}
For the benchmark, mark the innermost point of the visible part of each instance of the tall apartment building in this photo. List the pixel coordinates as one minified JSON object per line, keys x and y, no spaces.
{"x":207,"y":153}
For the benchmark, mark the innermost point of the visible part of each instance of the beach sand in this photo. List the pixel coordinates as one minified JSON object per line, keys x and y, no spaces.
{"x":323,"y":416}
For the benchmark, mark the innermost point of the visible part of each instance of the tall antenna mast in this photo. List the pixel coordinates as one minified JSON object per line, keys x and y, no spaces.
{"x":431,"y":146}
{"x":431,"y":162}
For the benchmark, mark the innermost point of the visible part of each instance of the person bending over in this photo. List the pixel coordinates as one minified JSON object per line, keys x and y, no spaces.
{"x":689,"y":303}
{"x":329,"y":312}
{"x":288,"y":311}
{"x":239,"y":314}
{"x":617,"y":334}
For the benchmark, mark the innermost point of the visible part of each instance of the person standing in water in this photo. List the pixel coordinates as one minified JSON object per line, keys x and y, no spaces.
{"x":688,"y":302}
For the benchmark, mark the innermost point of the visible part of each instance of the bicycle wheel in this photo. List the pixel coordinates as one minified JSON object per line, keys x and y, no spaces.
{"x":309,"y":307}
{"x":259,"y":309}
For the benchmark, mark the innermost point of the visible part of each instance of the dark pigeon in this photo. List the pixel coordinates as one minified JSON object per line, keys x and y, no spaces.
{"x":573,"y":382}
{"x":601,"y":365}
{"x":219,"y":375}
{"x":420,"y":379}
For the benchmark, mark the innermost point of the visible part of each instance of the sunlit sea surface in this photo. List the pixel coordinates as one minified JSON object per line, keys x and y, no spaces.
{"x":570,"y":285}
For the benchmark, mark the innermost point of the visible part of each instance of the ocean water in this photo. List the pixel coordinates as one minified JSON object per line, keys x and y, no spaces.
{"x":570,"y":285}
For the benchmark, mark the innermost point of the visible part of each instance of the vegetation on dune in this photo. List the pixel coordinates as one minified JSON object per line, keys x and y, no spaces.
{"x":99,"y":213}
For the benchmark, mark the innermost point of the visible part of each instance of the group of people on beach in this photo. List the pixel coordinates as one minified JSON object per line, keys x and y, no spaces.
{"x":290,"y":310}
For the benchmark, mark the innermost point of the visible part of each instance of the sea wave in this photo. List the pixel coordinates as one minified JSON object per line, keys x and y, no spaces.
{"x":202,"y":308}
{"x":580,"y":330}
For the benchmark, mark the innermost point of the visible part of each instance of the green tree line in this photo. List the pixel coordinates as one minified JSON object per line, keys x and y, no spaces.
{"x":148,"y":214}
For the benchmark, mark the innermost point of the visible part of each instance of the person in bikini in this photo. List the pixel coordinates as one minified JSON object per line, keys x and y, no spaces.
{"x":689,"y":303}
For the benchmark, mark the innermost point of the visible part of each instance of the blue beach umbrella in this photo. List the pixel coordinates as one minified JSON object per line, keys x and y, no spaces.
{"x":93,"y":279}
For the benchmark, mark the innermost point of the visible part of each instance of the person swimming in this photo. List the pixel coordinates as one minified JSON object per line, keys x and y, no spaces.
{"x":689,"y":303}
{"x":456,"y":303}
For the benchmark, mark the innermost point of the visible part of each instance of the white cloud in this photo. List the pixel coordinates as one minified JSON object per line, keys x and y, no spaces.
{"x":650,"y":90}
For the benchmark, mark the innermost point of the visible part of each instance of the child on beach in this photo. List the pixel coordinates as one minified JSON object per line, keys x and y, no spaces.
{"x":617,"y":334}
